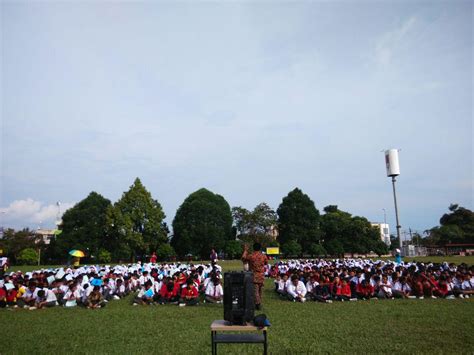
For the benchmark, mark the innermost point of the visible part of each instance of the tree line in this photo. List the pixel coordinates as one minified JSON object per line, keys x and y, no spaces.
{"x":133,"y":228}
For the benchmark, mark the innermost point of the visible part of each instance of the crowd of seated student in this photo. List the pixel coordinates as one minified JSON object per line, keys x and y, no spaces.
{"x":93,"y":286}
{"x":357,"y":279}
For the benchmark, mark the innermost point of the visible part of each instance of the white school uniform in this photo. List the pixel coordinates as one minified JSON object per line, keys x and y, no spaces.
{"x":298,"y":290}
{"x":214,"y":290}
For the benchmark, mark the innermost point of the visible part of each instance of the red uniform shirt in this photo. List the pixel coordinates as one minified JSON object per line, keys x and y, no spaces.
{"x":189,"y":292}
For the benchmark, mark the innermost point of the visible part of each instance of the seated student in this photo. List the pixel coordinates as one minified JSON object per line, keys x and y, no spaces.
{"x":322,"y":293}
{"x":145,"y":295}
{"x":343,"y":290}
{"x":72,"y":296}
{"x":12,"y":294}
{"x":3,"y":297}
{"x":401,"y":289}
{"x":214,"y":292}
{"x":365,"y":290}
{"x":29,"y":298}
{"x":445,"y":289}
{"x":281,"y":284}
{"x":312,"y":287}
{"x":189,"y":294}
{"x":46,"y":298}
{"x":296,"y":290}
{"x":120,"y":290}
{"x":167,"y":294}
{"x":467,"y":286}
{"x":385,"y":288}
{"x":95,"y":299}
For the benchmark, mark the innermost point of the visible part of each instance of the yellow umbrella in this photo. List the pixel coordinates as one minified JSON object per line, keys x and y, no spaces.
{"x":77,"y":253}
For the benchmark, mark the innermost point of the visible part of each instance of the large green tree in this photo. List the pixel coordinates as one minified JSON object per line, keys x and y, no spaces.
{"x":135,"y":223}
{"x":343,"y":232}
{"x":83,"y":227}
{"x":455,"y":227}
{"x":298,"y":220}
{"x":13,"y":242}
{"x":202,"y":222}
{"x":255,"y":225}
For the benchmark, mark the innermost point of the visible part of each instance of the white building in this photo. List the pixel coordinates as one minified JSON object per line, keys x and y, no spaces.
{"x":384,"y":232}
{"x":44,"y":235}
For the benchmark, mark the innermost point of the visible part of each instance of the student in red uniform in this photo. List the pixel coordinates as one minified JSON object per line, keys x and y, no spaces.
{"x":343,"y":290}
{"x":189,"y":294}
{"x":3,"y":297}
{"x":365,"y":290}
{"x":167,"y":294}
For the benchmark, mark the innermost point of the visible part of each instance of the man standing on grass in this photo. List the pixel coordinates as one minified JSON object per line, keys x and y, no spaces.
{"x":257,"y":261}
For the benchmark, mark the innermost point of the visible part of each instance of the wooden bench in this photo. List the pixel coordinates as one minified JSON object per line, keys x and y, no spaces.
{"x":232,"y":338}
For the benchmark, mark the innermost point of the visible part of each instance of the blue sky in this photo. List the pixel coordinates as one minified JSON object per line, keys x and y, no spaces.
{"x":247,"y":99}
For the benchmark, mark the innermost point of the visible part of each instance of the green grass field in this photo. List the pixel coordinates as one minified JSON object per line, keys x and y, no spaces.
{"x":374,"y":327}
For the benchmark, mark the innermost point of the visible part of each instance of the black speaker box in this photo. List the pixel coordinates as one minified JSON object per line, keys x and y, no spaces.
{"x":239,"y":305}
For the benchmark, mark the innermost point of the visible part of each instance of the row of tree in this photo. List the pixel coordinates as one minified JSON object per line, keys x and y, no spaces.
{"x":133,"y":227}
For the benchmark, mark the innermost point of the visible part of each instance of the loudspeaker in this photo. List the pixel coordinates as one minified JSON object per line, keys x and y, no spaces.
{"x":239,"y":305}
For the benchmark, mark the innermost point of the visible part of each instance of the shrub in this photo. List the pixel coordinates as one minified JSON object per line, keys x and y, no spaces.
{"x":104,"y":256}
{"x":27,"y":256}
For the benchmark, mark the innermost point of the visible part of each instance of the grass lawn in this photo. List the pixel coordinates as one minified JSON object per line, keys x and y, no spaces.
{"x":402,"y":326}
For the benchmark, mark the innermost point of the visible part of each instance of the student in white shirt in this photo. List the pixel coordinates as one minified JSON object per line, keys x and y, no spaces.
{"x":281,"y":285}
{"x":31,"y":294}
{"x":214,"y":292}
{"x":401,"y":289}
{"x":296,"y":290}
{"x":385,"y":288}
{"x":46,"y":298}
{"x":72,"y":296}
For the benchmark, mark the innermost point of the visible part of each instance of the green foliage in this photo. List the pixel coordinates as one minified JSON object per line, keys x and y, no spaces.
{"x":134,"y":225}
{"x":83,"y":227}
{"x":14,"y":242}
{"x":317,"y":250}
{"x":456,"y":227}
{"x":165,"y":252}
{"x":379,"y":248}
{"x":202,"y":222}
{"x":255,"y":226}
{"x":344,"y":233}
{"x":298,"y":220}
{"x":27,"y":256}
{"x":291,"y":248}
{"x":334,"y":247}
{"x":233,"y":249}
{"x":105,"y":256}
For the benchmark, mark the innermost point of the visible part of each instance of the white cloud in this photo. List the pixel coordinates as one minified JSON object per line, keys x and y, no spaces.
{"x":388,"y":43}
{"x":27,"y":212}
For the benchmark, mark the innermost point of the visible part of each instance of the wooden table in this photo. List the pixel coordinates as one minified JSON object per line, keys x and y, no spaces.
{"x":228,"y":338}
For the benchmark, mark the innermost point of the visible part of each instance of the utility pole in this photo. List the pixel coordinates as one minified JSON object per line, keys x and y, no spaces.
{"x":393,"y":170}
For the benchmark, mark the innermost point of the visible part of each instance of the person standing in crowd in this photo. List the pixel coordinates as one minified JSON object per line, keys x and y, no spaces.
{"x":153,"y":258}
{"x":213,"y":256}
{"x":256,"y":261}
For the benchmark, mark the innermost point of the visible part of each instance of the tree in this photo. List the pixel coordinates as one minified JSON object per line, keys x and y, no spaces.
{"x":344,"y":233}
{"x":334,"y":247}
{"x":291,"y":248}
{"x":255,"y":226}
{"x":105,"y":256}
{"x":165,"y":252}
{"x":83,"y":227}
{"x":317,"y":250}
{"x":233,"y":249}
{"x":135,"y":223}
{"x":455,"y":227}
{"x":298,"y":220}
{"x":27,"y":256}
{"x":14,"y":242}
{"x":202,"y":222}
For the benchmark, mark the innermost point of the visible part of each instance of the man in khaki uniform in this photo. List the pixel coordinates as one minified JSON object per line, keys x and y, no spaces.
{"x":257,"y":261}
